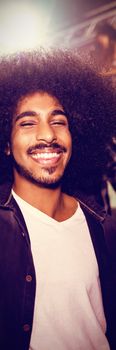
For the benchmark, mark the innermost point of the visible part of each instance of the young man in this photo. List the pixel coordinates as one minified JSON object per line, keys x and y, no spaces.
{"x":56,"y":120}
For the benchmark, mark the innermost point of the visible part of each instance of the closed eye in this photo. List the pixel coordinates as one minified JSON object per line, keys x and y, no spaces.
{"x":59,"y":122}
{"x":27,"y":123}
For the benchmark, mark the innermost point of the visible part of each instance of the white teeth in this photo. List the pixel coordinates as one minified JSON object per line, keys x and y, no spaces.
{"x":45,"y":155}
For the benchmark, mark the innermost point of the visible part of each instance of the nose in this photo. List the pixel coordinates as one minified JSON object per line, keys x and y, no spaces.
{"x":45,"y":133}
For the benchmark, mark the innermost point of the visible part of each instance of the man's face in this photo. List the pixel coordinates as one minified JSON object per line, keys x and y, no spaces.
{"x":40,"y":141}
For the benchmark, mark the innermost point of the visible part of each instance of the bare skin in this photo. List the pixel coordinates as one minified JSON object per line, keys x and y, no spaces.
{"x":40,"y":123}
{"x":54,"y":203}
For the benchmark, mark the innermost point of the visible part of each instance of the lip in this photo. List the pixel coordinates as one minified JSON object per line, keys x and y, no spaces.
{"x":46,"y":158}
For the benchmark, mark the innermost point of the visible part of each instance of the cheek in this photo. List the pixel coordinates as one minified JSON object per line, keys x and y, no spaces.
{"x":18,"y":145}
{"x":68,"y":139}
{"x":15,"y":146}
{"x":67,"y":142}
{"x":18,"y":140}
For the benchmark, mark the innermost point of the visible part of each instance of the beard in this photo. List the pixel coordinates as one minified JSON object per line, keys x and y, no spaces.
{"x":43,"y":180}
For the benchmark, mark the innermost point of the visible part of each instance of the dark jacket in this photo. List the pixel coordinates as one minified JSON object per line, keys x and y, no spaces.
{"x":18,"y":281}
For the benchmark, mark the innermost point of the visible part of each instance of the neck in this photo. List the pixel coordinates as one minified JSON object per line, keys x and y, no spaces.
{"x":50,"y":201}
{"x":47,"y":200}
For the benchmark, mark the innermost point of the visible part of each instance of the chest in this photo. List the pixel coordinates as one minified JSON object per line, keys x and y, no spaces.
{"x":63,"y":253}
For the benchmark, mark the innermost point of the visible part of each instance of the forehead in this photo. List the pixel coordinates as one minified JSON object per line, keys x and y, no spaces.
{"x":41,"y":100}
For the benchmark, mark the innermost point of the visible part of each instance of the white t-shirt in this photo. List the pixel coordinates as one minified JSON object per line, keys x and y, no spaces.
{"x":68,"y":313}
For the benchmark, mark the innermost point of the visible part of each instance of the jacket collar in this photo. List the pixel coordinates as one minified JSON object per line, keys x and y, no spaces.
{"x":88,"y":202}
{"x":91,"y":205}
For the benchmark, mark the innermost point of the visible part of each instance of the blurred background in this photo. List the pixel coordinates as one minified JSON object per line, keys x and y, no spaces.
{"x":64,"y":23}
{"x":88,"y":26}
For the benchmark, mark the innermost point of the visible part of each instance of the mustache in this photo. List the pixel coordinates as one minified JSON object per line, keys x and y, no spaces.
{"x":42,"y":146}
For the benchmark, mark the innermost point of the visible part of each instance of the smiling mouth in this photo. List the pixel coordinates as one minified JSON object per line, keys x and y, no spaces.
{"x":48,"y":158}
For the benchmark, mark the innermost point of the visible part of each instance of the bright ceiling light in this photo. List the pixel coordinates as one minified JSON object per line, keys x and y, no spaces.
{"x":23,"y":26}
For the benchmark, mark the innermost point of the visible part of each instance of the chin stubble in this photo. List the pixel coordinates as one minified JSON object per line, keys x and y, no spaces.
{"x":38,"y":180}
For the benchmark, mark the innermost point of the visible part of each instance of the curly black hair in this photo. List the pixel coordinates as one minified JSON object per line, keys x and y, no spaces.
{"x":88,"y":101}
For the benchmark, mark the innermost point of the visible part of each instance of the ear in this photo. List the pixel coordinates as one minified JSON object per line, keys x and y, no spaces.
{"x":7,"y":149}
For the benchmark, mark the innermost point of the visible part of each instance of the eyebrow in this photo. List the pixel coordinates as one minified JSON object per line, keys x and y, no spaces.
{"x":30,"y":113}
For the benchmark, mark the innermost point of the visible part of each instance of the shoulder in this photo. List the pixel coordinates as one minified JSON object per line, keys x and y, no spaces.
{"x":8,"y":224}
{"x":11,"y":218}
{"x":110,"y":234}
{"x":6,"y":216}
